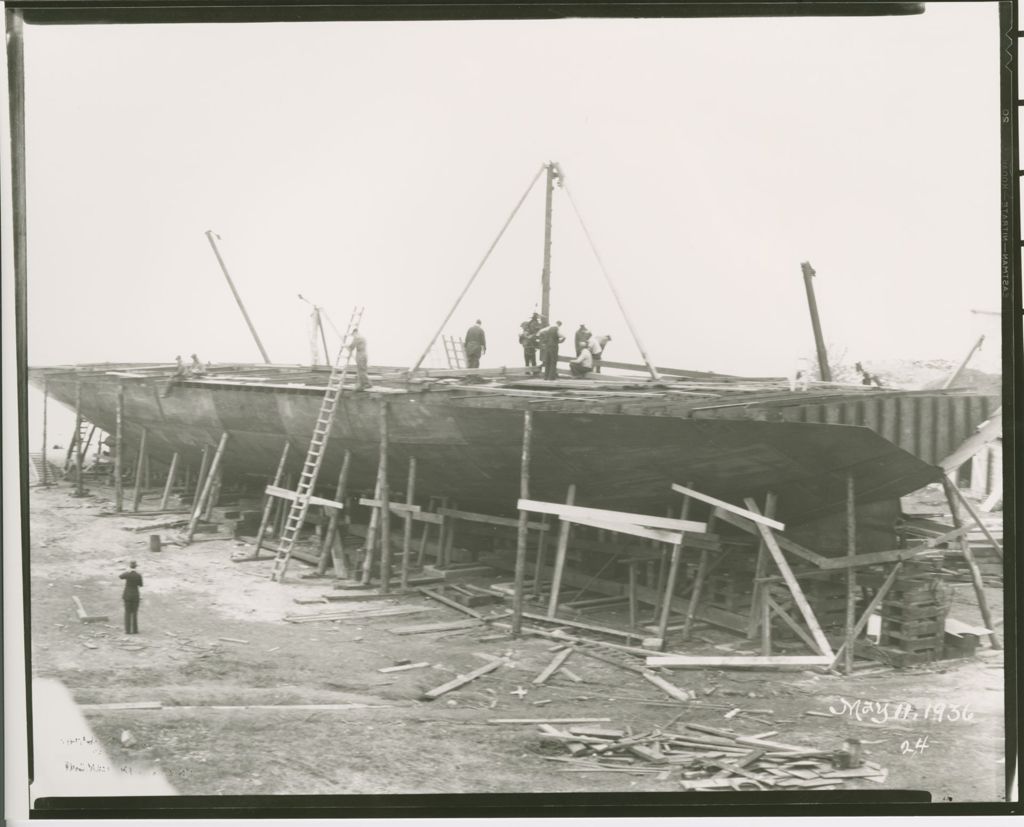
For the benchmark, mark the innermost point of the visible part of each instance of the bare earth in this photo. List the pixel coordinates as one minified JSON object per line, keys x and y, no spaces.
{"x":399,"y":744}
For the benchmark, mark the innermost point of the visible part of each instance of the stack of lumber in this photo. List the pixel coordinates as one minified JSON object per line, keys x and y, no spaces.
{"x":913,"y":621}
{"x":706,"y":757}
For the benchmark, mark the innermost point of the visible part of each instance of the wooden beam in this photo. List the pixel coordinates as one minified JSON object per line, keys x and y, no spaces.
{"x":665,"y":686}
{"x":698,"y":586}
{"x":748,"y":661}
{"x":137,"y":495}
{"x":286,"y":494}
{"x":119,"y":450}
{"x":784,"y":542}
{"x":673,"y":574}
{"x":735,"y":509}
{"x":775,"y":607}
{"x":656,"y":534}
{"x":553,"y":667}
{"x":398,"y":508}
{"x":617,"y":517}
{"x":876,"y":601}
{"x":542,"y":540}
{"x":560,"y":554}
{"x":851,"y":575}
{"x":518,"y":596}
{"x":760,"y":588}
{"x":972,"y":565}
{"x":977,"y":519}
{"x":385,"y":496}
{"x":462,"y":680}
{"x":207,"y":486}
{"x":410,"y":488}
{"x":328,"y":553}
{"x":471,"y":517}
{"x":794,"y":586}
{"x":171,"y":474}
{"x":268,"y":502}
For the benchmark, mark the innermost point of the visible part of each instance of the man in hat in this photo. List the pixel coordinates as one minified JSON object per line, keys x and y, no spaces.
{"x":596,"y":346}
{"x":475,"y":345}
{"x":581,"y":338}
{"x":131,"y":597}
{"x":549,"y":339}
{"x":528,"y":331}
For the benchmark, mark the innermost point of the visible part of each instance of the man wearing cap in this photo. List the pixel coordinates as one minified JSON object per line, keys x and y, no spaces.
{"x":549,"y":339}
{"x":131,"y":597}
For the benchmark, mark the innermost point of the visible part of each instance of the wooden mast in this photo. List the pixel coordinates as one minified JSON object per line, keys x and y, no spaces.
{"x":819,"y":341}
{"x":553,"y":174}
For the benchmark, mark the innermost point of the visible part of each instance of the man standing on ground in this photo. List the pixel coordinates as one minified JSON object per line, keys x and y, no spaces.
{"x":131,"y":597}
{"x":358,"y":345}
{"x":550,"y":337}
{"x":475,"y":344}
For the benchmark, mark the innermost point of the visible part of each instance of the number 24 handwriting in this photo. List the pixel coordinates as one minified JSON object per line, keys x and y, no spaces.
{"x":881,"y":712}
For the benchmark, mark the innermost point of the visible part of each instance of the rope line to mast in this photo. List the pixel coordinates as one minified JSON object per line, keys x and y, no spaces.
{"x":476,"y":272}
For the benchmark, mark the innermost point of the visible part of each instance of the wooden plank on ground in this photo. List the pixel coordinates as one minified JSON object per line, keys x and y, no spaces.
{"x":552,"y":667}
{"x":750,"y":661}
{"x":461,"y":680}
{"x":669,"y":689}
{"x":549,"y":720}
{"x":83,"y":615}
{"x":405,"y":667}
{"x":440,"y":598}
{"x":422,"y":628}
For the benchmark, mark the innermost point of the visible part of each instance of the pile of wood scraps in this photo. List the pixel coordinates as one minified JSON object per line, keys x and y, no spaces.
{"x":704,"y":757}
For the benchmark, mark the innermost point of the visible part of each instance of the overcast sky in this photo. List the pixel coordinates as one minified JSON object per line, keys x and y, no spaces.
{"x":374,"y":163}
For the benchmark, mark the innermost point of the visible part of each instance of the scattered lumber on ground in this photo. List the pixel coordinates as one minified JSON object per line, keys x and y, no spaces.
{"x":462,"y":680}
{"x":341,"y":614}
{"x":703,"y":757}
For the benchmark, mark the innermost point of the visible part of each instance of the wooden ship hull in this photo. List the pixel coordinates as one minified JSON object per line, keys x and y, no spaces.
{"x":622,"y":441}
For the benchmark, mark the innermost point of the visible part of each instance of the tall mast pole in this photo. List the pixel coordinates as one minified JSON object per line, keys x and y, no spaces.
{"x":553,"y":174}
{"x":819,"y":341}
{"x":210,"y":235}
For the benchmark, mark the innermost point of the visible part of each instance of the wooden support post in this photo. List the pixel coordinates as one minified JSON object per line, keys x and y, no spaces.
{"x":268,"y":504}
{"x":282,"y":509}
{"x":119,"y":450}
{"x":422,"y":553}
{"x":538,"y":569}
{"x":766,"y":625}
{"x":791,"y":582}
{"x":560,"y":553}
{"x":145,"y":465}
{"x":760,"y":589}
{"x":977,"y":519}
{"x":632,"y":596}
{"x":385,"y":499}
{"x":46,"y":465}
{"x":965,"y":548}
{"x":698,"y":586}
{"x":327,"y":552}
{"x":139,"y":464}
{"x":876,"y":601}
{"x":521,"y":536}
{"x":204,"y":467}
{"x":79,"y":482}
{"x":410,"y":494}
{"x":214,"y":496}
{"x":851,"y":574}
{"x":171,"y":474}
{"x":673,"y":574}
{"x":371,"y":536}
{"x":207,"y":487}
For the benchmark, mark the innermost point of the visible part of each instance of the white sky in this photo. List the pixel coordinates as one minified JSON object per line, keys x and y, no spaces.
{"x":375,"y":163}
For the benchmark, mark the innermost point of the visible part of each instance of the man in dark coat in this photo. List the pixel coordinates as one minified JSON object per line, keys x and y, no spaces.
{"x":131,"y":597}
{"x":581,"y":338}
{"x":528,"y":339}
{"x":549,"y":338}
{"x":475,"y":344}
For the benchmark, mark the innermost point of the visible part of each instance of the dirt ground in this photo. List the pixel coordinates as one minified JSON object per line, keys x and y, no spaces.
{"x":195,"y":596}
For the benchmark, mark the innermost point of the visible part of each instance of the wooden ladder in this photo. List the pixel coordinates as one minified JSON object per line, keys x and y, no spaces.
{"x":454,"y":351}
{"x":314,"y":456}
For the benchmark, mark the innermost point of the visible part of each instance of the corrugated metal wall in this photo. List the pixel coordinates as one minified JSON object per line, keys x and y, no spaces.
{"x":929,"y":426}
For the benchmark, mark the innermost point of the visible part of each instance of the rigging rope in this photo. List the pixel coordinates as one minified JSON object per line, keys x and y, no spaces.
{"x":476,"y":272}
{"x":611,"y":284}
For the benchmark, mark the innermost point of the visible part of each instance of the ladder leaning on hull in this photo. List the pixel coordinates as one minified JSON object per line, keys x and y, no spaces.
{"x":314,"y":456}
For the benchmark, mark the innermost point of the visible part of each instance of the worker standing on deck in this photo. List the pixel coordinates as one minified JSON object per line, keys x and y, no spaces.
{"x":475,"y":345}
{"x":550,"y":337}
{"x":528,"y":331}
{"x":196,"y":368}
{"x":131,"y":597}
{"x":358,"y":345}
{"x":866,"y":378}
{"x":596,"y":346}
{"x":581,"y":338}
{"x":177,"y":376}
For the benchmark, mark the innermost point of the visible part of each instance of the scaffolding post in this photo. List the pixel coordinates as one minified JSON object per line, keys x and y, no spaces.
{"x":524,"y":517}
{"x":268,"y":503}
{"x":851,"y":576}
{"x":172,"y":472}
{"x":385,"y":503}
{"x":46,"y":470}
{"x":207,"y":487}
{"x":139,"y":464}
{"x":410,"y":488}
{"x":119,"y":450}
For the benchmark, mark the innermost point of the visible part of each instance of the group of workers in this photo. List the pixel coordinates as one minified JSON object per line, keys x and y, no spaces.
{"x":181,"y":372}
{"x":536,"y":334}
